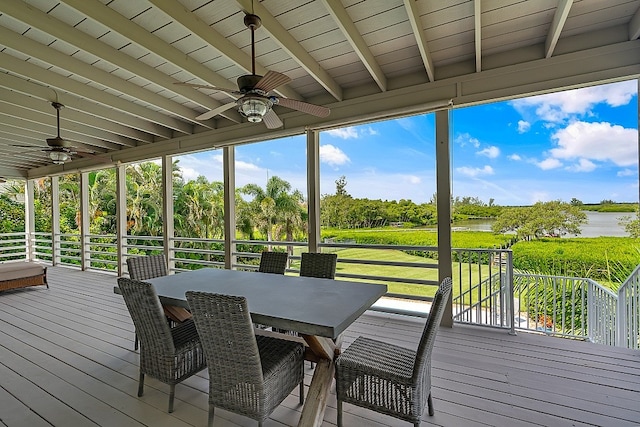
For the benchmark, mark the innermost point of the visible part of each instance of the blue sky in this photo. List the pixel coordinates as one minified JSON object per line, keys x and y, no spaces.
{"x":581,"y":143}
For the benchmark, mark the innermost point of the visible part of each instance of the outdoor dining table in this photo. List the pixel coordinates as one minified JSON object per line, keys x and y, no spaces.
{"x":318,"y":309}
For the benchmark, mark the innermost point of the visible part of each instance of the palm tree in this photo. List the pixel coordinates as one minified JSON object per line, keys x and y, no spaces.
{"x":276,"y":210}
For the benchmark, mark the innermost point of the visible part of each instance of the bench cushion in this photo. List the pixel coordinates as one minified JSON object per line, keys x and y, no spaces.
{"x":19,"y":270}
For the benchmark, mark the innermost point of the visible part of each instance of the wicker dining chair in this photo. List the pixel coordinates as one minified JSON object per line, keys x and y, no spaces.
{"x":387,"y":378}
{"x":150,"y":267}
{"x":248,"y":374}
{"x":168,"y":354}
{"x":318,"y":265}
{"x":273,"y":262}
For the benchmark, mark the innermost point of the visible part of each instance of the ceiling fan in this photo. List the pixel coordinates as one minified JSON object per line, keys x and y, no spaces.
{"x":60,"y":150}
{"x":255,"y":103}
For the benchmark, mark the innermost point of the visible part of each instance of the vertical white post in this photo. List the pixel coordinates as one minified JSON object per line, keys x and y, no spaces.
{"x":85,"y":243}
{"x":55,"y":220}
{"x":167,"y":212}
{"x":443,"y":189}
{"x":229,"y":171}
{"x":121,"y":217}
{"x":29,"y":219}
{"x":313,"y":189}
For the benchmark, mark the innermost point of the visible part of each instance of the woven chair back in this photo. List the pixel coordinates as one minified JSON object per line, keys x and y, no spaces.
{"x":147,"y":267}
{"x":227,"y":337}
{"x":147,"y":315}
{"x":428,"y":338}
{"x":273,"y":262}
{"x":318,"y":265}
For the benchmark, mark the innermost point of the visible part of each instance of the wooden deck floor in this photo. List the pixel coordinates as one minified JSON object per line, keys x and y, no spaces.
{"x":66,"y":359}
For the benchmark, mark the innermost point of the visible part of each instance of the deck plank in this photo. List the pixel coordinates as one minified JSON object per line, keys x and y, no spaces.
{"x":66,"y":359}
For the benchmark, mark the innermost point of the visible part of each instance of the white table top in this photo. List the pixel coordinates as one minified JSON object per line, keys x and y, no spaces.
{"x":311,"y":306}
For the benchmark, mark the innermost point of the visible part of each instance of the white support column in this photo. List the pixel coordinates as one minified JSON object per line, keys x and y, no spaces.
{"x":121,"y":217}
{"x":313,"y":189}
{"x":29,"y":219}
{"x":55,"y":220}
{"x":229,"y":170}
{"x":443,"y":189}
{"x":167,"y":212}
{"x":84,"y":221}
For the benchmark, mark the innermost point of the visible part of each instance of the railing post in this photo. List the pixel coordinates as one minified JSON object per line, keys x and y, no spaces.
{"x":29,"y":219}
{"x":121,"y":217}
{"x":511,"y":315}
{"x":167,"y":212}
{"x":229,"y":171}
{"x":55,"y":220}
{"x":85,"y":240}
{"x":621,"y":339}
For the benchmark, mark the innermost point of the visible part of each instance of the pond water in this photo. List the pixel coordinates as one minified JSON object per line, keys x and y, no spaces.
{"x":600,"y":224}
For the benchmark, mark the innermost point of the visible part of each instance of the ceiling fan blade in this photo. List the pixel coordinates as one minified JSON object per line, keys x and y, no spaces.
{"x":271,"y":80}
{"x":305,"y":107}
{"x":271,"y":120}
{"x":222,"y":89}
{"x":215,"y":111}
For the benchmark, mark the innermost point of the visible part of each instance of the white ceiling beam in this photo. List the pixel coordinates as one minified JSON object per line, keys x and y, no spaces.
{"x":559,"y":19}
{"x":58,"y":29}
{"x":418,"y":32}
{"x":176,"y":11}
{"x":110,"y":120}
{"x":49,"y":78}
{"x":286,"y":41}
{"x":355,"y":39}
{"x":634,"y":25}
{"x":123,"y":26}
{"x":93,"y":125}
{"x":477,"y":19}
{"x":38,"y":122}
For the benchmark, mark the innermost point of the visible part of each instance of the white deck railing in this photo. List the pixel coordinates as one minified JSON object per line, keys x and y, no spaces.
{"x":487,"y":291}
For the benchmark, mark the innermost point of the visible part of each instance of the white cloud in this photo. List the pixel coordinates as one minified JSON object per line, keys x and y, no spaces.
{"x":539,"y":196}
{"x":189,"y":174}
{"x":597,"y":141}
{"x":523,"y":126}
{"x":464,"y":139}
{"x":627,"y":172}
{"x":583,"y":165}
{"x":559,"y":106}
{"x":348,"y":132}
{"x":515,"y":157}
{"x":549,"y":163}
{"x":412,"y":179}
{"x":332,"y":155}
{"x":371,"y":131}
{"x":475,"y":172}
{"x":491,"y":152}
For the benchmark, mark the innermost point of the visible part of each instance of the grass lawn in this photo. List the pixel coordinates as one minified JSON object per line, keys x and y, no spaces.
{"x":401,"y":272}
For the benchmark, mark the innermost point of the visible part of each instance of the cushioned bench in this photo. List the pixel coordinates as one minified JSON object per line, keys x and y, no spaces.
{"x":22,"y":274}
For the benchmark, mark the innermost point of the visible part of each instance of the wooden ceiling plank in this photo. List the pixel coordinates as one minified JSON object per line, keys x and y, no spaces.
{"x":344,"y":22}
{"x":70,"y":115}
{"x":293,"y":48}
{"x":421,"y":39}
{"x":48,"y":24}
{"x":210,"y":36}
{"x":123,"y":26}
{"x":61,"y":82}
{"x":559,"y":19}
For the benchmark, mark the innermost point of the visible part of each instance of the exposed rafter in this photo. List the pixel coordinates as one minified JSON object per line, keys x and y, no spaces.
{"x":634,"y":26}
{"x":477,"y":21}
{"x":358,"y":44}
{"x":293,"y":48}
{"x":559,"y":19}
{"x":210,"y":36}
{"x":421,"y":39}
{"x":58,"y":29}
{"x":58,"y":81}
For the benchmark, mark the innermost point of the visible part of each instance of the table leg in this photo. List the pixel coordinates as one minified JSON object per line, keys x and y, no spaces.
{"x":316,"y":400}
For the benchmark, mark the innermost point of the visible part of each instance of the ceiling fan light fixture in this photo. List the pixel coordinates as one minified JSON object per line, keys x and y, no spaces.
{"x":254,"y":108}
{"x":58,"y":157}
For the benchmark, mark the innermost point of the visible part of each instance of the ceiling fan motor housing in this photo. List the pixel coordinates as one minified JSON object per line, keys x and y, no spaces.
{"x":247,"y":82}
